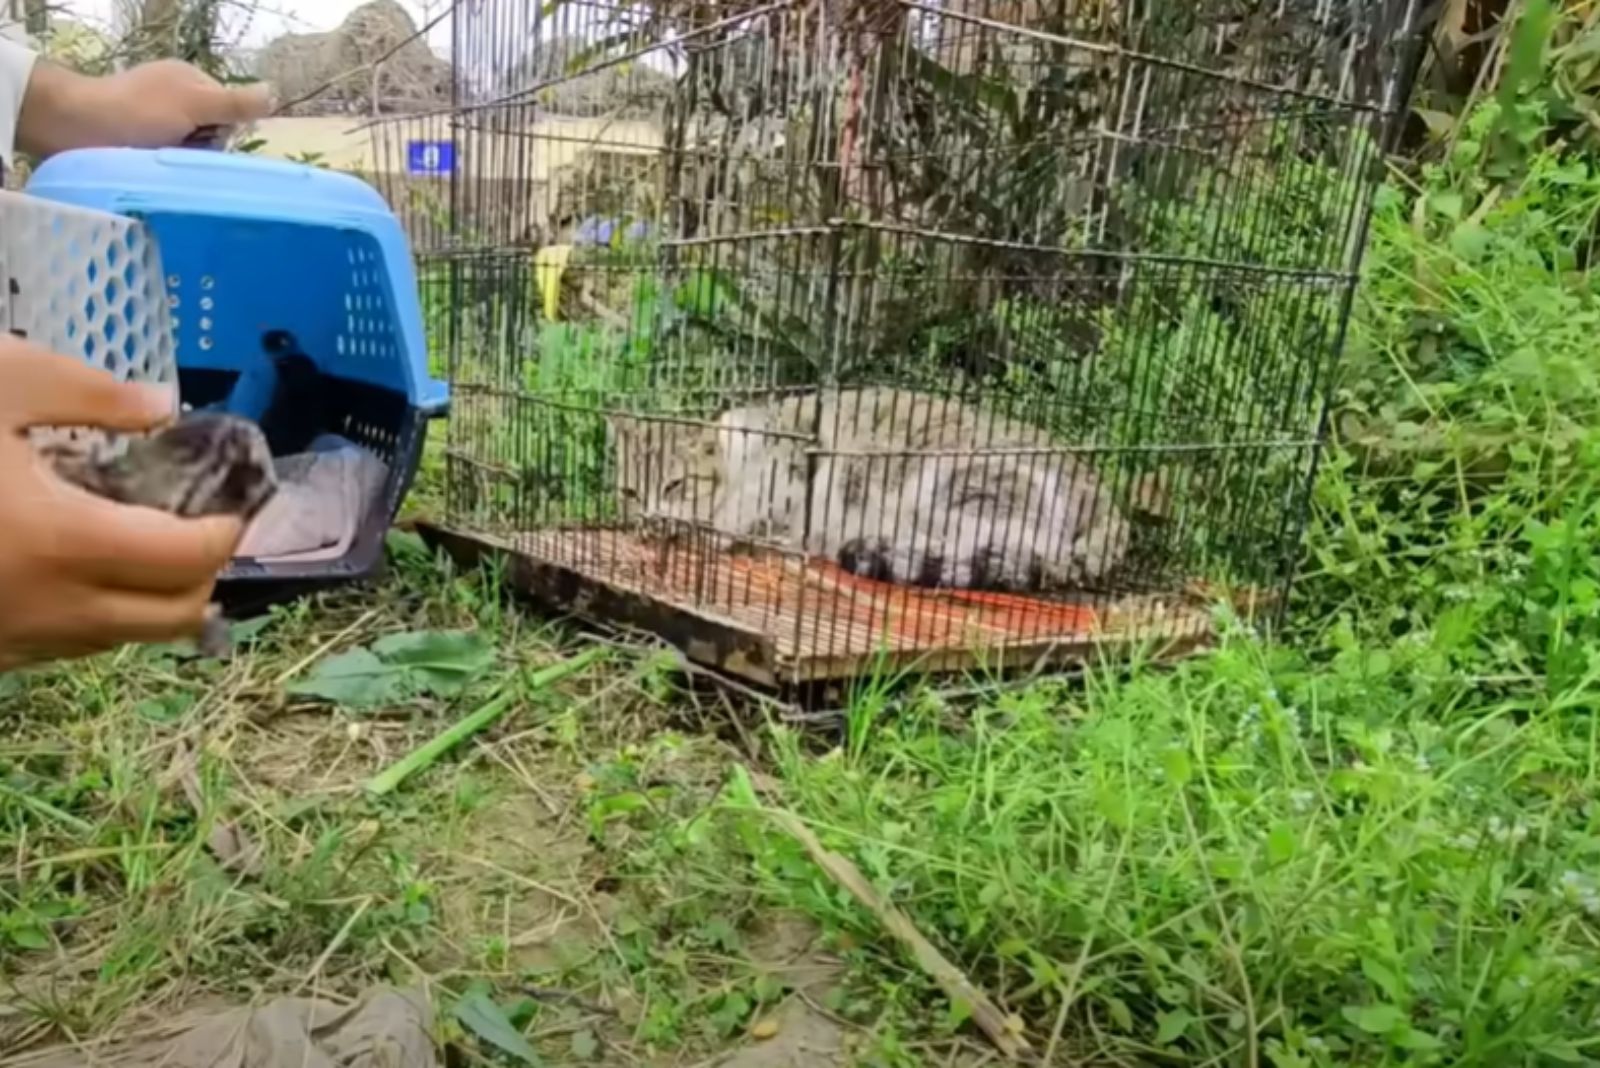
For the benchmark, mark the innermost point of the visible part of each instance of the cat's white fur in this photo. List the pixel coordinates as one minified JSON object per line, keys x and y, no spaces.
{"x":908,"y":487}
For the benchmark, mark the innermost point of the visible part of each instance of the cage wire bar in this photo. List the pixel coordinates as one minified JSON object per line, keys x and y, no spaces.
{"x":1061,"y":259}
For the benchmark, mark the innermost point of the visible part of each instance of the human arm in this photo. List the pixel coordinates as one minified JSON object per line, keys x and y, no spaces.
{"x":153,"y":105}
{"x":16,"y":71}
{"x":46,"y":108}
{"x":80,"y":574}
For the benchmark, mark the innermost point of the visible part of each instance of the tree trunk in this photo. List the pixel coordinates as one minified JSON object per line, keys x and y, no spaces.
{"x":36,"y":17}
{"x":156,"y":35}
{"x":177,"y":29}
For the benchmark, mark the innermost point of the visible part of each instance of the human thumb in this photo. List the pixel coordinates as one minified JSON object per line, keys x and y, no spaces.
{"x":231,"y":105}
{"x":45,"y":389}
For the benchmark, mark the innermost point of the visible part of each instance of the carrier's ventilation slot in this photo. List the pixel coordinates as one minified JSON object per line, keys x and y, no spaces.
{"x":85,"y":283}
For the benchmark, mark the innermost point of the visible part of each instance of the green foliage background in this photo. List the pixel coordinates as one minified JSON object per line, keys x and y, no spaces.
{"x":1376,"y":840}
{"x":1373,"y":839}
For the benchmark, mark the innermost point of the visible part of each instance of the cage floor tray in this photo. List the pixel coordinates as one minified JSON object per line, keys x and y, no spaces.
{"x":774,"y":619}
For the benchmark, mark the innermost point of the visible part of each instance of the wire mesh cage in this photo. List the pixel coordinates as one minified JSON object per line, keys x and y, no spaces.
{"x":814,"y":333}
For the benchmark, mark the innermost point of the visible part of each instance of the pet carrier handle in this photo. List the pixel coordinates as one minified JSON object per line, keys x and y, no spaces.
{"x":211,"y":137}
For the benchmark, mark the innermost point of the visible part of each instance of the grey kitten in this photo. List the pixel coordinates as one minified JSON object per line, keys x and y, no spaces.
{"x":204,"y":464}
{"x":909,"y":487}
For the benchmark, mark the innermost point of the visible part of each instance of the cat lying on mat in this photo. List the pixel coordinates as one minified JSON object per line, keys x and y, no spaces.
{"x":910,"y":487}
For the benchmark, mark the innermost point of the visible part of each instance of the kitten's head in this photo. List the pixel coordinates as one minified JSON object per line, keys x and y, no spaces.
{"x":206,"y":464}
{"x":665,"y":470}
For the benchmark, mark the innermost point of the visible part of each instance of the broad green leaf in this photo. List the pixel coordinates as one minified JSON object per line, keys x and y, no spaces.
{"x":1382,"y":977}
{"x":1281,"y":843}
{"x":706,"y":292}
{"x":29,"y":936}
{"x":1177,"y":766}
{"x":1563,"y":1050}
{"x":1526,"y":54}
{"x":442,"y":662}
{"x":1470,"y":241}
{"x":246,"y":630}
{"x":1170,"y":1026}
{"x":1375,"y":1019}
{"x":1447,"y":204}
{"x":1113,"y":805}
{"x":166,"y":708}
{"x":1411,"y":1038}
{"x":612,"y":807}
{"x":452,"y":649}
{"x":1439,"y":123}
{"x":405,"y":545}
{"x":479,"y":1014}
{"x":357,"y":679}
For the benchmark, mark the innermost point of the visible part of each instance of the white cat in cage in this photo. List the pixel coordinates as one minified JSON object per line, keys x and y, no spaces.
{"x":893,"y":484}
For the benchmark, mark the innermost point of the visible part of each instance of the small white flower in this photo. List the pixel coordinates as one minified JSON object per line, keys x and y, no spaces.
{"x":1579,"y":889}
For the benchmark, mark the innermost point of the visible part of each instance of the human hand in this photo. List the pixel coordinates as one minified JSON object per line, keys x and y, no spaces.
{"x":161,"y":103}
{"x":154,"y":105}
{"x":80,"y":574}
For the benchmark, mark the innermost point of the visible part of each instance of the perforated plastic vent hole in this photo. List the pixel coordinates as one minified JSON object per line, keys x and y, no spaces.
{"x":86,"y":283}
{"x":206,"y":303}
{"x":369,"y":335}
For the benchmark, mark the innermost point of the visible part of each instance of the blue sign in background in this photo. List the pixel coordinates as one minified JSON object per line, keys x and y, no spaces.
{"x":430,"y":157}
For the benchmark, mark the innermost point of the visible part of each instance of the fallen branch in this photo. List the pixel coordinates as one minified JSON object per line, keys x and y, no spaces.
{"x":429,"y":752}
{"x":1004,"y":1030}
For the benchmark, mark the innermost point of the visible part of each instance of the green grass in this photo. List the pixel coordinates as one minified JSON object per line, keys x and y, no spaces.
{"x":1357,"y":862}
{"x":114,"y":907}
{"x":1379,"y":845}
{"x":1246,"y":861}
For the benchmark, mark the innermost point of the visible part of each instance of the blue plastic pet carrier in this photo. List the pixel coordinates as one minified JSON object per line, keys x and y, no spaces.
{"x":293,"y":302}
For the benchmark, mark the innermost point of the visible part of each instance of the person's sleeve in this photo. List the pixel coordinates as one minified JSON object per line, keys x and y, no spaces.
{"x":16,"y":67}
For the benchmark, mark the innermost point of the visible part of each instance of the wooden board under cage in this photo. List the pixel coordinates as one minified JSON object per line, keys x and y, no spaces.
{"x":776,"y":619}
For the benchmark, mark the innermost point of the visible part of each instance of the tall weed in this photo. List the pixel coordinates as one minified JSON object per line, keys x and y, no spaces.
{"x":1381,"y":850}
{"x":1347,"y":865}
{"x":1459,"y":503}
